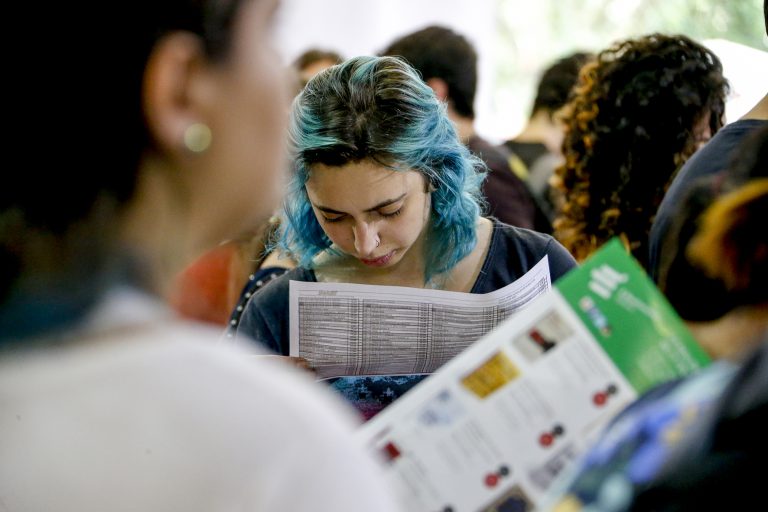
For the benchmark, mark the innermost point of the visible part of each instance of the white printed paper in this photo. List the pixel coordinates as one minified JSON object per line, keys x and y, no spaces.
{"x":495,"y":427}
{"x":353,"y":329}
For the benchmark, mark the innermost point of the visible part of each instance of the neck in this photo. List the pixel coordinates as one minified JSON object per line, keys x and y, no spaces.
{"x":759,"y":111}
{"x":542,"y":129}
{"x":734,"y":334}
{"x":409,"y":271}
{"x":154,"y":227}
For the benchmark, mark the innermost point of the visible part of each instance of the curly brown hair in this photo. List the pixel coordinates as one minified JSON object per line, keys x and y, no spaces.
{"x":630,"y":125}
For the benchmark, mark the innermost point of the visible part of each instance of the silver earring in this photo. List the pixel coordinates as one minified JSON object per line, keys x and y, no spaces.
{"x":378,"y":242}
{"x":197,"y":137}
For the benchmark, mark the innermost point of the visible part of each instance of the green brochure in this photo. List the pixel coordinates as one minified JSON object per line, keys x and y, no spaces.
{"x":497,"y":424}
{"x":631,"y":319}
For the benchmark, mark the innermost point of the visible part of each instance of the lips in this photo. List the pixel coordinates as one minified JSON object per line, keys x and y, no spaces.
{"x":378,"y":262}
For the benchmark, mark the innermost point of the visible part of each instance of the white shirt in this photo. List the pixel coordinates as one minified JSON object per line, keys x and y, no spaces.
{"x":147,"y":413}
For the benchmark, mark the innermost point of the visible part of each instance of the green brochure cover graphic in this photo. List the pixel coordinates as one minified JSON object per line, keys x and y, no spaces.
{"x":631,"y":319}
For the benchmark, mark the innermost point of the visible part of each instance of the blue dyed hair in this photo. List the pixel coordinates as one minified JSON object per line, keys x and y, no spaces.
{"x":378,"y":108}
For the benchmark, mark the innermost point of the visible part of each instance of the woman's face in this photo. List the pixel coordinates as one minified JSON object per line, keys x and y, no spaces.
{"x":241,"y":174}
{"x":370,"y":212}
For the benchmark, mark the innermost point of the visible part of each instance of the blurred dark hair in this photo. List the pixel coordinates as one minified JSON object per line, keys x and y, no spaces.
{"x":724,"y":215}
{"x":439,"y":52}
{"x":629,"y":127}
{"x":77,"y":125}
{"x":557,"y":82}
{"x":313,"y":55}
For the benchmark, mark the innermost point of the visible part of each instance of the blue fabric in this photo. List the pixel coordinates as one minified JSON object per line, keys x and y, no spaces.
{"x":54,"y":302}
{"x":512,"y":252}
{"x":693,"y":444}
{"x":256,"y":282}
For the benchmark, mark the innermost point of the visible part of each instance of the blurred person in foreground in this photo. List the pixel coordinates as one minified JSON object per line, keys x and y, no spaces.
{"x":217,"y":285}
{"x":132,"y":165}
{"x":267,"y":262}
{"x":705,"y":303}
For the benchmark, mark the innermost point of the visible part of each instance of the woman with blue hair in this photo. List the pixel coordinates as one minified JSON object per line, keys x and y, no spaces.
{"x":383,"y":192}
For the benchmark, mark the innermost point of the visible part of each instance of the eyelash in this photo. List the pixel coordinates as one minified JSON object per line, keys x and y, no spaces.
{"x":385,"y":215}
{"x":393,"y":214}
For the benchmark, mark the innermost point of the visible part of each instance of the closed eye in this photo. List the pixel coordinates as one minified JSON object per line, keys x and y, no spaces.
{"x":392,"y":214}
{"x":333,"y":219}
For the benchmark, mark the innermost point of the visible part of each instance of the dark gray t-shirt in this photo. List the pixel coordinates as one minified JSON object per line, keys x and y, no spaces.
{"x":711,"y":159}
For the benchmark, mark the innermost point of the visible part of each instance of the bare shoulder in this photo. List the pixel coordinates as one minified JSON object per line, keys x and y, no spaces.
{"x":484,"y":232}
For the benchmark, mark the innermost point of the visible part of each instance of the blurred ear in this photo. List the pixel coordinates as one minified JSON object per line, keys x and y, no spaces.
{"x":176,"y":83}
{"x":440,"y":87}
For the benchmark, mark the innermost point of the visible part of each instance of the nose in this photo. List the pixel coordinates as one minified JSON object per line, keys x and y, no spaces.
{"x":366,"y":239}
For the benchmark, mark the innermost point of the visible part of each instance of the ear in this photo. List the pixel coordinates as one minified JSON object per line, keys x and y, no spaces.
{"x":429,"y":187}
{"x":440,"y":87}
{"x":175,"y":90}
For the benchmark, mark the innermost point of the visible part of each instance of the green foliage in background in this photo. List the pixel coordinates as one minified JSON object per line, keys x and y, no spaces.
{"x":533,"y":34}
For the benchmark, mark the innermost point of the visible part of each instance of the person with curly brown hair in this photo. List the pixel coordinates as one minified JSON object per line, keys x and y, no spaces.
{"x":641,"y":108}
